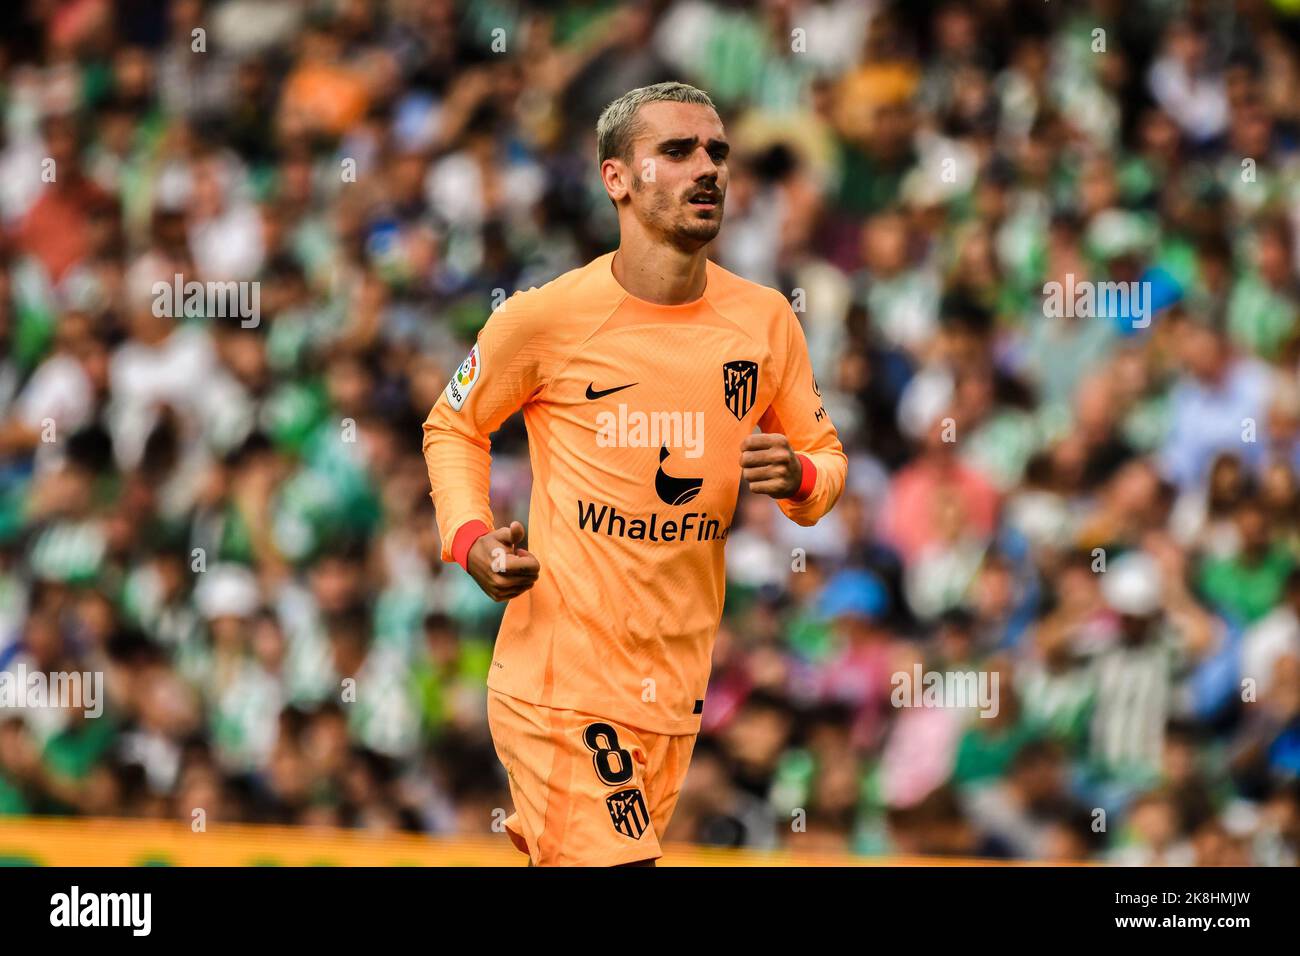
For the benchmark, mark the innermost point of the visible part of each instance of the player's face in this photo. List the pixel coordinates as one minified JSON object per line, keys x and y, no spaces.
{"x":679,"y":172}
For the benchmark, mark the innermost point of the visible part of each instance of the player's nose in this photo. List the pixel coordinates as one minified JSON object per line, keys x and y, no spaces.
{"x":705,"y":167}
{"x":706,"y":180}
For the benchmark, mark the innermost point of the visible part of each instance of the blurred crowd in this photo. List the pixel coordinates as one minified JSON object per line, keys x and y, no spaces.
{"x":233,"y":524}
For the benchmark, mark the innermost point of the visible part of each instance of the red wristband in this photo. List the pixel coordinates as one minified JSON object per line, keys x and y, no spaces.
{"x":465,"y":537}
{"x":807,"y":481}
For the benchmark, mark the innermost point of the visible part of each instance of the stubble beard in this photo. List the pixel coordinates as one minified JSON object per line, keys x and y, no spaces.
{"x":680,"y":228}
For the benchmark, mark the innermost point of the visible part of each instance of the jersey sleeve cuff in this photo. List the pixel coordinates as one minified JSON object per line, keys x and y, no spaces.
{"x":468,"y":533}
{"x":808,"y":479}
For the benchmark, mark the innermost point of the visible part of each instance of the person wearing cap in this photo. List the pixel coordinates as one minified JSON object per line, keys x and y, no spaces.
{"x":1159,"y":633}
{"x":858,"y":669}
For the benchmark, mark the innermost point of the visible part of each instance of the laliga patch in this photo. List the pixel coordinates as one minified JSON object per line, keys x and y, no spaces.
{"x":469,"y":372}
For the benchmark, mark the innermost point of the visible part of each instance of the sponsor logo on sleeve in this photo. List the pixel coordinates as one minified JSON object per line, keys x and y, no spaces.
{"x":463,"y":380}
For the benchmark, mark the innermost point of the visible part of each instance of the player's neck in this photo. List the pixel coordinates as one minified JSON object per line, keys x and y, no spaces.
{"x":658,"y":273}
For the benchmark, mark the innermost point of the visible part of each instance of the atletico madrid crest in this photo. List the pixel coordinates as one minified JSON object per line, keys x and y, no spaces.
{"x":627,"y":810}
{"x":740,"y":386}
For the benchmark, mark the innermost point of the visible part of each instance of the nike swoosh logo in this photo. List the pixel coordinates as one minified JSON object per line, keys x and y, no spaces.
{"x":592,"y":393}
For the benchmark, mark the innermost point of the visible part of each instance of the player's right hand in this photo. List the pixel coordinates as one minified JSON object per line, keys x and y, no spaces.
{"x":502,"y":569}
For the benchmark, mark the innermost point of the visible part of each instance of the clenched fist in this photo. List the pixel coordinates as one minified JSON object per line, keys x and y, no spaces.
{"x":502,"y":569}
{"x":770,"y":466}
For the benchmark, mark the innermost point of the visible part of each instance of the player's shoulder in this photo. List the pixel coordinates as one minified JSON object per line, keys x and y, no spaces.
{"x":567,"y":294}
{"x":739,"y":298}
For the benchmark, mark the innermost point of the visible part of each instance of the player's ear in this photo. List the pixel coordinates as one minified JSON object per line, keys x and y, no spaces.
{"x":616,"y":177}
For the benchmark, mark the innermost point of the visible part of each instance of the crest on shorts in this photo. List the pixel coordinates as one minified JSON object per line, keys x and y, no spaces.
{"x":740,"y":386}
{"x":627,"y":810}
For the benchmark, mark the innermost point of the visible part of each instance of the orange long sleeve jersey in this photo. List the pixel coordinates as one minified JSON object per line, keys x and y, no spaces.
{"x":635,"y":415}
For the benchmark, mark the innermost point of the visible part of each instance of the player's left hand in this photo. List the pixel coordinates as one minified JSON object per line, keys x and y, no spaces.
{"x":770,"y":466}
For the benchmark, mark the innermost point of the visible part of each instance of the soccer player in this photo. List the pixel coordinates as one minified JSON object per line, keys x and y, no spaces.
{"x":642,"y":377}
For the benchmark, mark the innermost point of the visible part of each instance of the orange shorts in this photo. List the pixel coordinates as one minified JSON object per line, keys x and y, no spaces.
{"x":588,"y":791}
